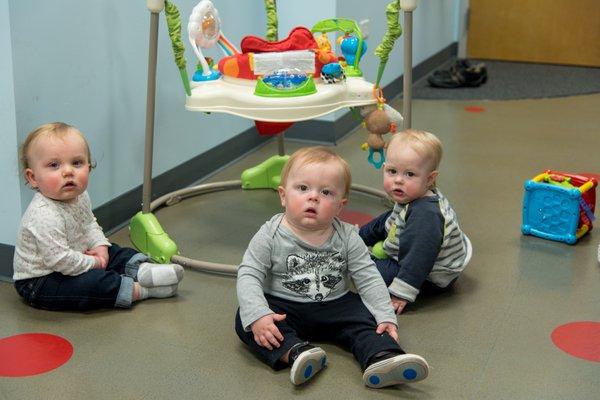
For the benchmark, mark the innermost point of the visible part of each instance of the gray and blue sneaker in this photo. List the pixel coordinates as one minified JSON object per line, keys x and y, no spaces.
{"x":306,"y":362}
{"x":393,"y":369}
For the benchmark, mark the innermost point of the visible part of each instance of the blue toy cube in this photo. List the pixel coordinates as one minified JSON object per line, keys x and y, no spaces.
{"x":560,"y":211}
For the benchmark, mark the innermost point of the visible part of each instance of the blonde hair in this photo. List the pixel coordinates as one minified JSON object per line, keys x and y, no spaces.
{"x":426,"y":144}
{"x":54,"y":130}
{"x":316,"y":154}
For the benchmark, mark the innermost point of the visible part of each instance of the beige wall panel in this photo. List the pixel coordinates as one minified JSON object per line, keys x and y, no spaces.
{"x":545,"y":31}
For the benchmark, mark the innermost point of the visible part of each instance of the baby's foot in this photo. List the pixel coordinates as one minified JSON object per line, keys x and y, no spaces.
{"x":159,"y":292}
{"x":306,"y":361}
{"x":153,"y":275}
{"x":394,"y":369}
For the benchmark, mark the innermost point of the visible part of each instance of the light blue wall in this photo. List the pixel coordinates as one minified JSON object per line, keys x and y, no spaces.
{"x":10,"y":209}
{"x":85,"y":63}
{"x":303,"y":13}
{"x":433,"y":29}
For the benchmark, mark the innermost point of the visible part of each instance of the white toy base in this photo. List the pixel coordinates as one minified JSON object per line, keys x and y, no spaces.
{"x":236,"y":96}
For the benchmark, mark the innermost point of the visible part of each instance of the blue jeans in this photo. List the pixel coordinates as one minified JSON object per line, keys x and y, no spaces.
{"x":94,"y":289}
{"x":345,"y":321}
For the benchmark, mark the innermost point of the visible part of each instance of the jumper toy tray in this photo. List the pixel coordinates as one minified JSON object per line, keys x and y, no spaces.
{"x":236,"y":96}
{"x":293,"y":79}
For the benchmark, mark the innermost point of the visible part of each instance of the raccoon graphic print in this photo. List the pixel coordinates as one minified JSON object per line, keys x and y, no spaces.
{"x":313,"y":275}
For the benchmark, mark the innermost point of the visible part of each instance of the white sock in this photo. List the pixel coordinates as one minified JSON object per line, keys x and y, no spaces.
{"x":152,"y":275}
{"x":159,"y":292}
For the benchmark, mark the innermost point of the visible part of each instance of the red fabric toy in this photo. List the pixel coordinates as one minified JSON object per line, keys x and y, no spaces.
{"x":300,"y":38}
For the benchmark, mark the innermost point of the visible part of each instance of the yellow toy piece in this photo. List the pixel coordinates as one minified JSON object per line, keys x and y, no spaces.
{"x":323,"y":42}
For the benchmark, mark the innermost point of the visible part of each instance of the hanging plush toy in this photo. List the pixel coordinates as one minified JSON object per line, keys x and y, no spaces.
{"x":379,"y":120}
{"x":378,"y":124}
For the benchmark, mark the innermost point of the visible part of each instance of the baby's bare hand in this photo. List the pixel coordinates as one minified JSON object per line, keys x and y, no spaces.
{"x":100,"y":253}
{"x":99,"y":263}
{"x":398,"y":304}
{"x":388,"y":327}
{"x":266,"y":333}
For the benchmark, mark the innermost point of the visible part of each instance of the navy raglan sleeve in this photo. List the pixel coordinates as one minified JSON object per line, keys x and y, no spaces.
{"x":419,"y":246}
{"x":374,"y":231}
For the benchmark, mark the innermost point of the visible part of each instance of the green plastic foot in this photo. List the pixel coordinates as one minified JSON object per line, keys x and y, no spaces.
{"x":265,"y":175}
{"x":149,"y":238}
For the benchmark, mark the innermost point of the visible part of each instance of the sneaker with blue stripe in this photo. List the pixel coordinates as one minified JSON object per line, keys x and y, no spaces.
{"x":403,"y":368}
{"x":307,"y":365}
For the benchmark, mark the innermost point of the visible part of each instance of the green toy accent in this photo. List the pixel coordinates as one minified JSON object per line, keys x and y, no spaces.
{"x":393,"y":32}
{"x":565,"y":182}
{"x":306,"y":88}
{"x":149,"y":238}
{"x":174,"y":27}
{"x":347,"y":26}
{"x":265,"y":175}
{"x":272,"y":23}
{"x":378,"y":251}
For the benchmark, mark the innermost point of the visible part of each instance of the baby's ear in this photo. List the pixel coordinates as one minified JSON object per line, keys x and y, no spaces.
{"x":30,"y":177}
{"x":281,"y":191}
{"x":341,"y":207}
{"x":432,"y":177}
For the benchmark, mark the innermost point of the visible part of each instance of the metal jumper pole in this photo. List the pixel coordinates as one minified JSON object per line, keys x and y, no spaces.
{"x":155,"y":7}
{"x":407,"y":7}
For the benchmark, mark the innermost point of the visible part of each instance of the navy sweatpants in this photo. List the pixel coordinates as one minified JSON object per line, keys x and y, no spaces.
{"x":344,"y":321}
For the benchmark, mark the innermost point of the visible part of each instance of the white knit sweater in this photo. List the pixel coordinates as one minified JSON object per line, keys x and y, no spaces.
{"x":53,"y":236}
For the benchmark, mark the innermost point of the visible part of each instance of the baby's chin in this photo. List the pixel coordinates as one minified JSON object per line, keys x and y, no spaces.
{"x":71,"y":195}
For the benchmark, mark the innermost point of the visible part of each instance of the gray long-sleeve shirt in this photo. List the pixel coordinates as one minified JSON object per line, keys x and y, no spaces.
{"x":277,"y":262}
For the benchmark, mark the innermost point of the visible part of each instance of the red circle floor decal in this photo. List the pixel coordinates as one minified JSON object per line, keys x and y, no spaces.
{"x":475,"y":109}
{"x":355,"y":217}
{"x":32,"y":354}
{"x":579,"y":339}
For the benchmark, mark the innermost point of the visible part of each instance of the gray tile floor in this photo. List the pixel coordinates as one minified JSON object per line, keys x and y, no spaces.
{"x":487,"y":339}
